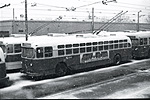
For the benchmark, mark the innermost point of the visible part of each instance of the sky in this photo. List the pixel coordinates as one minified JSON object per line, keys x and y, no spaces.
{"x":52,"y":9}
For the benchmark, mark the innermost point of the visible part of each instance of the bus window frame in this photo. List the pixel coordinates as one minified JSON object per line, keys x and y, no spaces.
{"x":49,"y":53}
{"x":17,"y":49}
{"x":11,"y":48}
{"x":42,"y":52}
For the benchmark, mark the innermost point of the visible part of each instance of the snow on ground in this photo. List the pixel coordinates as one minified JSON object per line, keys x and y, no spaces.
{"x":19,"y":82}
{"x":127,"y":93}
{"x":138,"y":92}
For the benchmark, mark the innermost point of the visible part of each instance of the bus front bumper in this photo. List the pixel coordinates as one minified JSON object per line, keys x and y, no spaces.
{"x":30,"y":74}
{"x":4,"y":81}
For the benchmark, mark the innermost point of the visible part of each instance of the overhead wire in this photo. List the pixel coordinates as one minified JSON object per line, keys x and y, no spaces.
{"x":103,"y":11}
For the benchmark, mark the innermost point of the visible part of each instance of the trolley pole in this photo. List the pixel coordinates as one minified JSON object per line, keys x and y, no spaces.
{"x":26,"y":21}
{"x":92,"y":20}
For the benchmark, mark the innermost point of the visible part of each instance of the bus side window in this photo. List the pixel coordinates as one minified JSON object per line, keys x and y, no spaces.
{"x":60,"y":46}
{"x":141,"y":41}
{"x":88,"y":44}
{"x":121,"y":41}
{"x":145,"y":41}
{"x":94,"y":48}
{"x":88,"y":49}
{"x":17,"y":48}
{"x":105,"y":42}
{"x":76,"y":50}
{"x":125,"y":45}
{"x":121,"y":45}
{"x":68,"y":51}
{"x":75,"y":45}
{"x":100,"y":47}
{"x":94,"y":43}
{"x":61,"y":52}
{"x":82,"y":44}
{"x":110,"y":42}
{"x":116,"y":46}
{"x":82,"y":50}
{"x":111,"y":46}
{"x":10,"y":48}
{"x":39,"y":52}
{"x":105,"y":47}
{"x":68,"y":45}
{"x":48,"y":52}
{"x":100,"y":43}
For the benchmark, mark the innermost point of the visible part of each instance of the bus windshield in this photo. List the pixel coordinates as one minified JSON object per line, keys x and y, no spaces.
{"x":28,"y":52}
{"x":135,"y":42}
{"x":3,"y":48}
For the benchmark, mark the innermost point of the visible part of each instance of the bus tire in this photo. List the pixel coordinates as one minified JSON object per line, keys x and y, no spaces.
{"x":117,"y":59}
{"x":61,"y":69}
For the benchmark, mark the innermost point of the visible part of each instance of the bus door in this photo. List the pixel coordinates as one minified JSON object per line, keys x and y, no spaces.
{"x":143,"y":46}
{"x":135,"y":44}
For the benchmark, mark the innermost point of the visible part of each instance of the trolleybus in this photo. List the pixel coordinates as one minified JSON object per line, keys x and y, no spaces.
{"x":59,"y":55}
{"x":140,"y":43}
{"x":4,"y":79}
{"x":12,"y":50}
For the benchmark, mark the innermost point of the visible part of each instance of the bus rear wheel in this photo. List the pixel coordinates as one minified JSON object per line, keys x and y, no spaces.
{"x":117,"y":59}
{"x":61,"y":69}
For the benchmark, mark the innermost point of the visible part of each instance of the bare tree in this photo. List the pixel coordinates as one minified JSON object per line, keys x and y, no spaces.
{"x":124,"y":19}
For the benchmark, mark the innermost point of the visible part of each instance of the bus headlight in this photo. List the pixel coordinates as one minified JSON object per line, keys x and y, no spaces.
{"x":31,"y":64}
{"x":136,"y":49}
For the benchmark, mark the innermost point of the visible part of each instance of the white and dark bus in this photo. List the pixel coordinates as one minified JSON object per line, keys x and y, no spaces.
{"x":59,"y":55}
{"x":12,"y":50}
{"x":4,"y":79}
{"x":140,"y":43}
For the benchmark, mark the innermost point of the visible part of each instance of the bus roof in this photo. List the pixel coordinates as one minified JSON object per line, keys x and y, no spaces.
{"x":12,"y":40}
{"x":140,"y":34}
{"x":16,"y":40}
{"x":72,"y":39}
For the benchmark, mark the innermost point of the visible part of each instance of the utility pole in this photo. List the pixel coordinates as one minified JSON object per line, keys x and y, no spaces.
{"x":26,"y":21}
{"x":92,"y":20}
{"x":138,"y":20}
{"x":13,"y":21}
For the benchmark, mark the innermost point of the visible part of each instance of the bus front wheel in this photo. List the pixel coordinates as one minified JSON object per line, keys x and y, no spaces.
{"x":148,"y":54}
{"x":61,"y":69}
{"x":117,"y":59}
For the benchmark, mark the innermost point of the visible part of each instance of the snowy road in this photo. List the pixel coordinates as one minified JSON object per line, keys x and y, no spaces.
{"x":137,"y":86}
{"x":27,"y":89}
